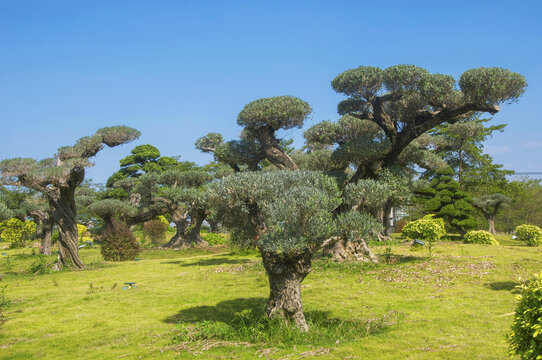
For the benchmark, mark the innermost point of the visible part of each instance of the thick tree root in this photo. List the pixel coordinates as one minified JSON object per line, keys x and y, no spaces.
{"x":344,"y":250}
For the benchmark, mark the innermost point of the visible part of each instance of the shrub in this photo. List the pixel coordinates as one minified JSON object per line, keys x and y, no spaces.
{"x":82,"y":234}
{"x":525,"y":337}
{"x":155,"y":229}
{"x":16,"y":231}
{"x":427,"y":229}
{"x":400,"y":225}
{"x":163,"y":220}
{"x":118,"y":243}
{"x":480,"y":237}
{"x":529,"y":234}
{"x":215,"y":239}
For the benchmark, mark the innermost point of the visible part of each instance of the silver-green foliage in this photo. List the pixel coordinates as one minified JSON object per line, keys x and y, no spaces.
{"x":280,"y":211}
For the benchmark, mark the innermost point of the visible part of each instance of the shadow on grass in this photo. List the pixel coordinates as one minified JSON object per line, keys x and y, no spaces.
{"x":223,"y":311}
{"x":504,"y":285}
{"x":208,"y":262}
{"x":243,"y":320}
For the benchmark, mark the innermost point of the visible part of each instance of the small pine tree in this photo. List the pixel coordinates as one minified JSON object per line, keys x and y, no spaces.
{"x":444,"y":199}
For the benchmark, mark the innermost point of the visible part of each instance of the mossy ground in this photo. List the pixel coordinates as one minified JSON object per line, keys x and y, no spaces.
{"x":455,"y":305}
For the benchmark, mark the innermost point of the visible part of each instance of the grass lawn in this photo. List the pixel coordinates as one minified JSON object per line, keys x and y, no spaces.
{"x":455,"y":305}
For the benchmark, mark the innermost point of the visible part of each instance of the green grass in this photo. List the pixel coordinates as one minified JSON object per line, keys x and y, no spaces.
{"x":208,"y":304}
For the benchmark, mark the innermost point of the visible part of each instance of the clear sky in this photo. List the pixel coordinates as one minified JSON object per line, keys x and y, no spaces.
{"x":177,"y":70}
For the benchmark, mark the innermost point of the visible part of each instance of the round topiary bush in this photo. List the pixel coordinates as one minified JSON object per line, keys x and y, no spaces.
{"x":526,"y":336}
{"x":428,"y":229}
{"x":480,"y":237}
{"x":118,"y":243}
{"x":529,"y":234}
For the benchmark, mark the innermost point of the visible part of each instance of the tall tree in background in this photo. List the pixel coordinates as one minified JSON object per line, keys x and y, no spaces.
{"x":525,"y":206}
{"x":143,"y":159}
{"x":57,"y":179}
{"x":406,"y":101}
{"x":260,"y":119}
{"x":461,"y":144}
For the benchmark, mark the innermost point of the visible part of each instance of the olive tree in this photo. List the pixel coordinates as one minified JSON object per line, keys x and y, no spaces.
{"x":57,"y":179}
{"x":406,"y":101}
{"x":260,"y":119}
{"x":287,"y":215}
{"x":184,"y":195}
{"x":489,"y":206}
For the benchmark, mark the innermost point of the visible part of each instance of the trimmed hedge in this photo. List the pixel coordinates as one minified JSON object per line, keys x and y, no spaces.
{"x":480,"y":237}
{"x":529,"y":234}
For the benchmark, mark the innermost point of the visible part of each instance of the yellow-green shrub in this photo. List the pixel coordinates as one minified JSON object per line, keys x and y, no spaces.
{"x":214,"y":238}
{"x":16,"y":231}
{"x":480,"y":237}
{"x":82,"y":234}
{"x":529,"y":234}
{"x":163,"y":220}
{"x":526,"y":336}
{"x":428,"y":229}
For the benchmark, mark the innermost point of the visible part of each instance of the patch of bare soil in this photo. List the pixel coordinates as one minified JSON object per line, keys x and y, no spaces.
{"x":437,"y":272}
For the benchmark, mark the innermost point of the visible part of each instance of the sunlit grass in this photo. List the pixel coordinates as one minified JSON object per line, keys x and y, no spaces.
{"x":452,"y":306}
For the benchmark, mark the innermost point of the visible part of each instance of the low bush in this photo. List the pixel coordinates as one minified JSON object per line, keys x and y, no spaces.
{"x":525,"y":337}
{"x":82,"y":234}
{"x":118,"y":243}
{"x":529,"y":234}
{"x":16,"y":231}
{"x":155,"y":229}
{"x":428,"y":229}
{"x":479,"y":237}
{"x":215,"y":239}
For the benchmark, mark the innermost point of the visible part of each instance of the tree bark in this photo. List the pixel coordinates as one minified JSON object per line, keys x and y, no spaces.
{"x":46,"y":236}
{"x":64,"y":214}
{"x":491,"y":223}
{"x":339,"y":249}
{"x":178,"y":240}
{"x":193,"y":237}
{"x":285,"y":275}
{"x":45,"y":229}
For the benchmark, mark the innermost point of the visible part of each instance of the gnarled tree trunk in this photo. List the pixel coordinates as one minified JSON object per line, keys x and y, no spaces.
{"x":193,"y":236}
{"x":64,"y":214}
{"x":178,"y":240}
{"x":491,"y":223}
{"x":285,"y":274}
{"x":45,"y":229}
{"x":46,"y":236}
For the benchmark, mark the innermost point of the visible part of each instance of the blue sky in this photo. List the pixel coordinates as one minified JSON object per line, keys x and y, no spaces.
{"x":177,"y":70}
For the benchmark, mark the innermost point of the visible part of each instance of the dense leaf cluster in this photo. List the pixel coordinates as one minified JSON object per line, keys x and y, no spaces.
{"x":529,"y":234}
{"x":16,"y":231}
{"x":118,"y":243}
{"x":479,"y":237}
{"x":525,"y":337}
